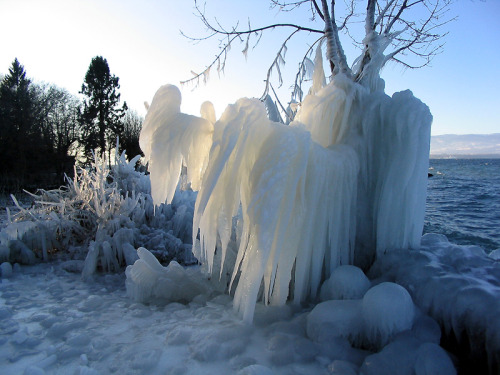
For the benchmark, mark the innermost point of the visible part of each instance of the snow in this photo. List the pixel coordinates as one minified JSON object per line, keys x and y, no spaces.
{"x":54,"y":322}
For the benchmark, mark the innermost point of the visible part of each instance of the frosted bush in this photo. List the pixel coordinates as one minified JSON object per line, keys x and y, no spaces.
{"x":102,"y":214}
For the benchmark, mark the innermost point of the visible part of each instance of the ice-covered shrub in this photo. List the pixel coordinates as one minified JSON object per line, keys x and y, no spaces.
{"x":103,"y":214}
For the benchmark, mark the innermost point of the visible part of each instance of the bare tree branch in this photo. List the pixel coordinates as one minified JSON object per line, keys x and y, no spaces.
{"x":392,"y":32}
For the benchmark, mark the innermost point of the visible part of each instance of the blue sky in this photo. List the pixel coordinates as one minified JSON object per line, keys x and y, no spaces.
{"x":56,"y":39}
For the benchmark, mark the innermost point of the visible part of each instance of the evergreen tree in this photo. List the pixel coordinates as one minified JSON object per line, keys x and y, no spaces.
{"x":100,"y":119}
{"x":21,"y":140}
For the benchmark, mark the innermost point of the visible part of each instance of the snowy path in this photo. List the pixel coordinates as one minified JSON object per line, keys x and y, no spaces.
{"x":52,"y":322}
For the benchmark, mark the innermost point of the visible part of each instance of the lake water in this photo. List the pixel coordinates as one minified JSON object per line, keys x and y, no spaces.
{"x":463,"y":201}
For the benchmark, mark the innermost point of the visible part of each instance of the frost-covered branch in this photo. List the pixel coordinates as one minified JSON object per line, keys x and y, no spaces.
{"x":278,"y":61}
{"x":403,"y":31}
{"x":234,"y":33}
{"x":305,"y":66}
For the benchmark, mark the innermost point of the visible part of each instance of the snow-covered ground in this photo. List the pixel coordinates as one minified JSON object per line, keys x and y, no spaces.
{"x":52,"y":322}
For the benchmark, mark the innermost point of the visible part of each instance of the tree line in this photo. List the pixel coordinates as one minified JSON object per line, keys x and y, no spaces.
{"x":45,"y":130}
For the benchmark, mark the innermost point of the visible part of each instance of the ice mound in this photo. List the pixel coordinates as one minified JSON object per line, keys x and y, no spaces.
{"x":337,"y":318}
{"x":408,"y":356}
{"x":345,"y":282}
{"x":387,"y":310}
{"x":148,"y":281}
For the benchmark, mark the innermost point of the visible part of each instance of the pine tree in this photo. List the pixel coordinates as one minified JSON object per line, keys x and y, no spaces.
{"x":100,"y":119}
{"x":19,"y":135}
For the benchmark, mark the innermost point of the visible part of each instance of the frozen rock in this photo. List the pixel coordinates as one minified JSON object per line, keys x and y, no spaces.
{"x":147,"y":280}
{"x":396,"y":358}
{"x":6,"y":270}
{"x":333,"y":319}
{"x":345,"y":282}
{"x":387,"y":310}
{"x":433,"y":360}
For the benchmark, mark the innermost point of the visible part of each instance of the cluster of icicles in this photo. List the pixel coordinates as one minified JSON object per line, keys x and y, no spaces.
{"x":279,"y":207}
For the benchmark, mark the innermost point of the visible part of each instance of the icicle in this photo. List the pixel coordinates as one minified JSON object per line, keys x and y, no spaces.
{"x":319,"y":80}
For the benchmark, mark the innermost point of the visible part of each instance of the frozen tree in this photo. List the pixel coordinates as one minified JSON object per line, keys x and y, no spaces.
{"x":279,"y":207}
{"x":129,"y":137}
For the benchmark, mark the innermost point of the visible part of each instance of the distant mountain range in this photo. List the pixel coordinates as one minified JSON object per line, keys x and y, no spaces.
{"x":465,"y":146}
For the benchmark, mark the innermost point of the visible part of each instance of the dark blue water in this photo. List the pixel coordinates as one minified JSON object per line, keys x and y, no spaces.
{"x":463,"y":201}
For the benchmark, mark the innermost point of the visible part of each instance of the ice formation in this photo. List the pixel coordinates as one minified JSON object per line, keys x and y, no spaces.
{"x":371,"y":321}
{"x":363,"y":153}
{"x":456,"y":285}
{"x":345,"y":282}
{"x":343,"y":183}
{"x":168,"y":148}
{"x":102,"y":216}
{"x":387,"y":310}
{"x":408,"y":356}
{"x":147,"y":280}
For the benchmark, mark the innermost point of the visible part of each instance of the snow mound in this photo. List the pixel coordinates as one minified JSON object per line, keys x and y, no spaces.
{"x":345,"y":282}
